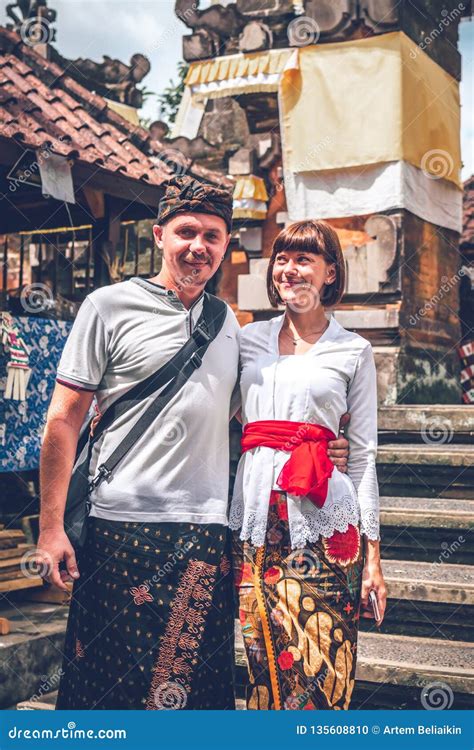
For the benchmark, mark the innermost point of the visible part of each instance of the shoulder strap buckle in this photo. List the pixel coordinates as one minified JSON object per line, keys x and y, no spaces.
{"x":103,"y":473}
{"x":201,"y":335}
{"x":195,"y":360}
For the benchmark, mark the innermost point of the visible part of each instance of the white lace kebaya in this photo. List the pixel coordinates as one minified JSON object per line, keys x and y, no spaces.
{"x":335,"y":376}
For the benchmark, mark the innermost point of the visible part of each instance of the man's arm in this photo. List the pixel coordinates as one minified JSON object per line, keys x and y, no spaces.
{"x":66,"y":416}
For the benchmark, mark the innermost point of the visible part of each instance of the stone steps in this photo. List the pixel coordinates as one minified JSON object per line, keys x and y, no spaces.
{"x":427,"y":512}
{"x":425,"y":466}
{"x":31,"y":654}
{"x":420,"y":581}
{"x":412,"y":454}
{"x":407,"y":660}
{"x":46,"y":703}
{"x":426,"y":450}
{"x":418,"y":422}
{"x":433,"y":530}
{"x":426,"y":470}
{"x":401,"y":663}
{"x":432,"y":600}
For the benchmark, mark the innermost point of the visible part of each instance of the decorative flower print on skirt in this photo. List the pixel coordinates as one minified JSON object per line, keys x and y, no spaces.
{"x":299,"y":611}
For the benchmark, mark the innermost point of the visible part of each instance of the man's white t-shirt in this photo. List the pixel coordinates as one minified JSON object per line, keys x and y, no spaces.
{"x":178,"y":470}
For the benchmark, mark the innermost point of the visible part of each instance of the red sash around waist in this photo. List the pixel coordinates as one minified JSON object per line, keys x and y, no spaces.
{"x":309,"y":467}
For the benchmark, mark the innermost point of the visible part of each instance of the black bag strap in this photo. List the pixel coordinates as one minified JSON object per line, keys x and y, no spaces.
{"x":173,"y":376}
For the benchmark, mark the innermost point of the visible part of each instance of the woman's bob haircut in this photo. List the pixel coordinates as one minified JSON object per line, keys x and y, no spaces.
{"x":315,"y":237}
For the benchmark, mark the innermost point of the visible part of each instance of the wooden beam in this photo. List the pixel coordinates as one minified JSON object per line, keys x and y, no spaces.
{"x":20,"y":583}
{"x":118,"y":185}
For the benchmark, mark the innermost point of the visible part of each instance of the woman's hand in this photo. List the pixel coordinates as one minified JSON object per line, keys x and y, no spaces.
{"x":95,"y":421}
{"x":372,"y":579}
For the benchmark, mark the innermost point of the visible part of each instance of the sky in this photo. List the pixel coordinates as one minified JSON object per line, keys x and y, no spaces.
{"x":119,"y":28}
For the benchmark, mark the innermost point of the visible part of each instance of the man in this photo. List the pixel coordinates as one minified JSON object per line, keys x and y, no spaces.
{"x":151,"y":620}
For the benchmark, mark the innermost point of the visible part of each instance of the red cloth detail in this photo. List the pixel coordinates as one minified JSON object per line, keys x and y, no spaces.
{"x":272,"y":575}
{"x":307,"y":471}
{"x":276,"y":498}
{"x":343,"y":546}
{"x":285,"y":660}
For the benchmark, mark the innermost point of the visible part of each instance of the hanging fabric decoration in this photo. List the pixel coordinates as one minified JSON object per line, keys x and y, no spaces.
{"x":332,"y":118}
{"x":22,"y":422}
{"x":250,"y":198}
{"x":18,"y":371}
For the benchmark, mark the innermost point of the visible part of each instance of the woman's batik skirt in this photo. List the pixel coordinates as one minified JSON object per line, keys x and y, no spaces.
{"x":299,"y":612}
{"x":151,"y":622}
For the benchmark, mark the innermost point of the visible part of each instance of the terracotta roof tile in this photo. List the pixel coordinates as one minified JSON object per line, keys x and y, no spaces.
{"x":91,"y":155}
{"x":8,"y":40}
{"x":66,"y":99}
{"x":91,"y":100}
{"x":47,"y":70}
{"x":40,"y":104}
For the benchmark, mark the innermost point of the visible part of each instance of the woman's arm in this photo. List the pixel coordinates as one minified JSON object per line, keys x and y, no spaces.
{"x":362,"y":435}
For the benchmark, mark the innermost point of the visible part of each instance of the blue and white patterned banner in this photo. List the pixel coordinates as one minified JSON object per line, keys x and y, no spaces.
{"x":22,"y":422}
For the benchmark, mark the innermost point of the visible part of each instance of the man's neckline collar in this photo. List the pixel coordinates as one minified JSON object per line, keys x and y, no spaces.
{"x":161,"y":291}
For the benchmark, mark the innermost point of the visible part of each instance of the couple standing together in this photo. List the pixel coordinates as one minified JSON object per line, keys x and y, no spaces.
{"x":151,"y":622}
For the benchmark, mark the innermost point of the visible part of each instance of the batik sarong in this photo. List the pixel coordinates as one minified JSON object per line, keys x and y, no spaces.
{"x":299,"y":612}
{"x":151,"y":623}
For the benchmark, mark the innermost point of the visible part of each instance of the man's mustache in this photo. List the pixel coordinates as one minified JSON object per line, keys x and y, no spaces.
{"x":192,"y":257}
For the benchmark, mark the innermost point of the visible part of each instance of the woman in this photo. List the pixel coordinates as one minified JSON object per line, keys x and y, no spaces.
{"x":307,"y":536}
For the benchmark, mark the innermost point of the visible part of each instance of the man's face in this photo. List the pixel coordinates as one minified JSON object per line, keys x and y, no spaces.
{"x":193,"y":246}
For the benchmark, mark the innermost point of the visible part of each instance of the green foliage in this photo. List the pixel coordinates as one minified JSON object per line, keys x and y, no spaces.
{"x":170,"y":99}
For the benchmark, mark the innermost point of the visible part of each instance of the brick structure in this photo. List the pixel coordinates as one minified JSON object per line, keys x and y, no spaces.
{"x":407,"y":300}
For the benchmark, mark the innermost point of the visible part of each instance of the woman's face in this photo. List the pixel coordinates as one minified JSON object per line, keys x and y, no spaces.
{"x":300,"y":278}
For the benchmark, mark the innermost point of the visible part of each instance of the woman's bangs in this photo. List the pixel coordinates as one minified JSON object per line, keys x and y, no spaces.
{"x":302,"y":238}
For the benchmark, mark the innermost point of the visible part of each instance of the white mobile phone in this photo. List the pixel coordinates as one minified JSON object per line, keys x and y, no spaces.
{"x":375,"y":605}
